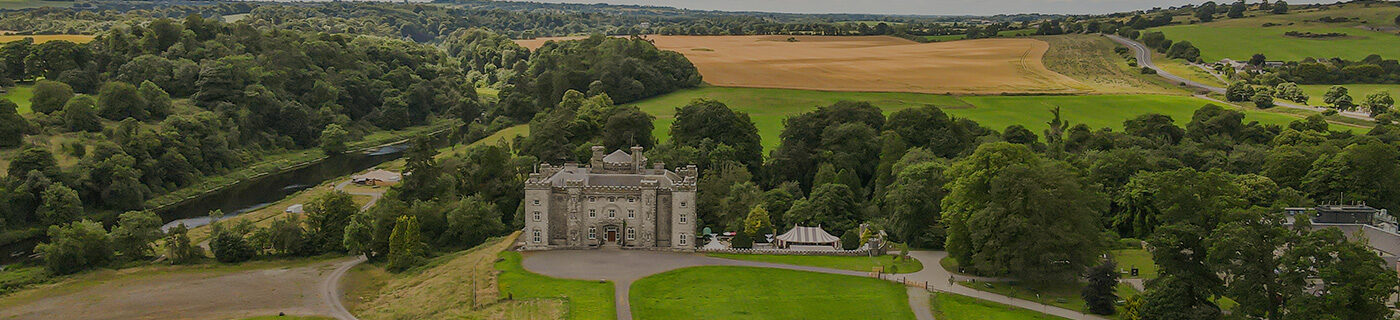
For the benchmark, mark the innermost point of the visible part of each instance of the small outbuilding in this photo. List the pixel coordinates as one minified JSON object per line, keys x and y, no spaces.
{"x":800,"y":235}
{"x":377,"y":177}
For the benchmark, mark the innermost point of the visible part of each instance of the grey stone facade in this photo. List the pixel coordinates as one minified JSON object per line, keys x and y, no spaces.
{"x":617,"y":199}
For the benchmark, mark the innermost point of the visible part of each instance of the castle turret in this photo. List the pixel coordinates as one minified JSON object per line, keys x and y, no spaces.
{"x":638,"y":163}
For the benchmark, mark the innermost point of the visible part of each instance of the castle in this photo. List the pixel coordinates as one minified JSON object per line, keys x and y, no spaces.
{"x":617,"y":199}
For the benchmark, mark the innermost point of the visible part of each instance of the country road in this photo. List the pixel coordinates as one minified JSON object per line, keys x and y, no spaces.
{"x":1144,"y":58}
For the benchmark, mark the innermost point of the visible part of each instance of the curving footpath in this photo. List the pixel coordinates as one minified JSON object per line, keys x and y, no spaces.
{"x":624,"y":267}
{"x":1144,"y":58}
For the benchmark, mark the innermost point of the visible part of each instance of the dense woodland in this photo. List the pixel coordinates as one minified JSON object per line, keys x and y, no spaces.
{"x":167,"y":102}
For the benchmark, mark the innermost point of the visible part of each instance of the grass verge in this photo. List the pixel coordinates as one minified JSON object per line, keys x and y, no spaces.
{"x":584,"y":299}
{"x":952,"y":306}
{"x":1065,"y":296}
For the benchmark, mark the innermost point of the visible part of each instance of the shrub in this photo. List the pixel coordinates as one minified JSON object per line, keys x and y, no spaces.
{"x":76,"y":247}
{"x":741,"y":240}
{"x":230,"y":246}
{"x":405,"y":247}
{"x":850,"y":240}
{"x":1146,"y":70}
{"x":178,"y":249}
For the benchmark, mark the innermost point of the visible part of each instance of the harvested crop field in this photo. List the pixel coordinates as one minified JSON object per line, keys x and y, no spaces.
{"x":79,"y":38}
{"x":869,"y":63}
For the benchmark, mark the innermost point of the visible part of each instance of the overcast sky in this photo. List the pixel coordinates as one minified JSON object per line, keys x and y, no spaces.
{"x":922,"y":7}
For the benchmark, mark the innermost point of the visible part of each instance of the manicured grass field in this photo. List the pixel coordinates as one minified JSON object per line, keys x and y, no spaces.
{"x":835,"y":262}
{"x":763,"y":293}
{"x":20,"y":95}
{"x":1241,"y":38}
{"x":1358,"y":92}
{"x":1064,"y":295}
{"x":1129,"y":258}
{"x":769,"y":107}
{"x":586,"y":299}
{"x":952,"y":306}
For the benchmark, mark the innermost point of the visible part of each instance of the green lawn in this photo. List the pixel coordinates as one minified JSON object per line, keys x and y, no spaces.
{"x":835,"y":262}
{"x":1358,"y":92}
{"x":951,"y":306}
{"x":1064,"y":295}
{"x":586,"y":299}
{"x":1129,"y":258}
{"x":1241,"y":38}
{"x":20,"y":95}
{"x":769,"y":107}
{"x":764,"y":293}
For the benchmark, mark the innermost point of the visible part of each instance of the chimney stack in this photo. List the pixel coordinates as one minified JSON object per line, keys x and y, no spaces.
{"x":597,"y":161}
{"x":638,"y":164}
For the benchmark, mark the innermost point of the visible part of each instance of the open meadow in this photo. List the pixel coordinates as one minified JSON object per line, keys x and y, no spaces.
{"x":1358,"y":92}
{"x":869,"y":63}
{"x":1241,"y":38}
{"x":763,"y":293}
{"x":769,"y":107}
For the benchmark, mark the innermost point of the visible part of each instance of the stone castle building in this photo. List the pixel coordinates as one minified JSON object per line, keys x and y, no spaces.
{"x":617,"y":199}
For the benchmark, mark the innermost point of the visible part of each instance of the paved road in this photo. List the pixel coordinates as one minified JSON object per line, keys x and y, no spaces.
{"x":626,"y":266}
{"x":1144,"y":58}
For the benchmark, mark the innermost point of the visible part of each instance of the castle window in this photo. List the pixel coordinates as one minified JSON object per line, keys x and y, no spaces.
{"x":682,"y":218}
{"x":592,"y":199}
{"x":631,"y":214}
{"x":592,"y":233}
{"x":537,"y":216}
{"x":631,"y":199}
{"x":537,"y":235}
{"x":682,"y":239}
{"x":682,"y":204}
{"x":631,"y":234}
{"x":537,"y":202}
{"x":611,"y":199}
{"x":612,"y":213}
{"x":592,"y":213}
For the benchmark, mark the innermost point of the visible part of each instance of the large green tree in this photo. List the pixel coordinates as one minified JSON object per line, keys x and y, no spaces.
{"x":326,"y":217}
{"x":49,"y":96}
{"x":12,"y":126}
{"x":1011,"y":212}
{"x":75,"y":247}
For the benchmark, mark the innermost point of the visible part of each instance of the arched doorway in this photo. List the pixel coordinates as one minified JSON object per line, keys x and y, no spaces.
{"x":611,"y":234}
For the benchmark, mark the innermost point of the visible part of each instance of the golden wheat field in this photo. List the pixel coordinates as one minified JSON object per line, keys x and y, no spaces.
{"x":871,"y":63}
{"x":79,"y":38}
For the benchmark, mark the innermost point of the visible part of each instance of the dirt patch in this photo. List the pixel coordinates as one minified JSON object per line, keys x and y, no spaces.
{"x":196,"y":292}
{"x":869,"y":63}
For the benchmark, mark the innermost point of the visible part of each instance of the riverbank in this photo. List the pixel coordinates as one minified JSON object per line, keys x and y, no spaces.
{"x":283,"y":162}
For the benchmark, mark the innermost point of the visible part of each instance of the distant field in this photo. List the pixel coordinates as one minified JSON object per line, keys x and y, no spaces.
{"x":1240,"y":38}
{"x":41,"y":38}
{"x":769,"y":107}
{"x":869,"y":63}
{"x":25,"y":4}
{"x":1091,"y":60}
{"x":763,"y":293}
{"x":20,"y":95}
{"x":1358,"y":92}
{"x":1004,"y":33}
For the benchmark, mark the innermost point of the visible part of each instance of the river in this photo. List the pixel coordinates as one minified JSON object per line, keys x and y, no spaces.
{"x":246,"y":196}
{"x":252,"y":195}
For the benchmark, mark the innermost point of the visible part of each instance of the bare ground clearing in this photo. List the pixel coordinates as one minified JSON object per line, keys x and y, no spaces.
{"x":193,"y":292}
{"x":868,"y":63}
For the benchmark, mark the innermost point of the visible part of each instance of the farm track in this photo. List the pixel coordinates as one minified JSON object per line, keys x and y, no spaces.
{"x":1144,"y":57}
